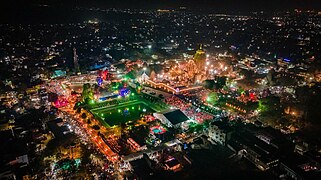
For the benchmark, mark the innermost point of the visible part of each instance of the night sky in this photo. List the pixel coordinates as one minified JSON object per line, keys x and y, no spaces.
{"x":36,"y":10}
{"x":243,"y":5}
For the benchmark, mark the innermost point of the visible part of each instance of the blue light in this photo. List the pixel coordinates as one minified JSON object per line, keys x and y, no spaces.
{"x":185,"y":146}
{"x":124,"y":92}
{"x":99,"y":81}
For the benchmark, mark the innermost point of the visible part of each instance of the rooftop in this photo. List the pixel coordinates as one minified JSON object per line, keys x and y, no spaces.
{"x":222,"y":125}
{"x":266,"y":152}
{"x":142,"y":168}
{"x":296,"y":163}
{"x":175,"y":116}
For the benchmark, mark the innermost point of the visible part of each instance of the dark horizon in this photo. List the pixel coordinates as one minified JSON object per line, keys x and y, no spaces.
{"x":229,"y":5}
{"x":53,"y":11}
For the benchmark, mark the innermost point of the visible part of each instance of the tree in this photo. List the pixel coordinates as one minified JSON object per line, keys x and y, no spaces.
{"x":87,"y":92}
{"x":209,"y":84}
{"x":96,"y":127}
{"x":212,"y":98}
{"x":116,"y":85}
{"x":310,"y":98}
{"x":247,"y":73}
{"x":131,"y":75}
{"x":83,"y":115}
{"x":77,"y":105}
{"x":218,"y":83}
{"x":270,"y":109}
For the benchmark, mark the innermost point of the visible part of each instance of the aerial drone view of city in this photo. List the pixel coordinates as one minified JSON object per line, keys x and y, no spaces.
{"x":135,"y":89}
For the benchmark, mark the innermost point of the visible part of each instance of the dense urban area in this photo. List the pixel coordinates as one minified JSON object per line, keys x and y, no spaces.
{"x":162,"y":94}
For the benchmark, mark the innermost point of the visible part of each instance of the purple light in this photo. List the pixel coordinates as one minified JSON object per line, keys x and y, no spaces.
{"x":124,"y":92}
{"x":99,"y":81}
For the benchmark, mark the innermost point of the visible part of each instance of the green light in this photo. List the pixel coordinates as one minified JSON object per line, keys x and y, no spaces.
{"x":133,"y":94}
{"x":133,"y":107}
{"x":208,"y":99}
{"x":77,"y":162}
{"x":92,"y":101}
{"x":102,"y":115}
{"x":119,"y":110}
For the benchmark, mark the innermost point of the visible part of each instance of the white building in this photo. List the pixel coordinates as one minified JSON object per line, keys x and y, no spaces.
{"x":219,"y":132}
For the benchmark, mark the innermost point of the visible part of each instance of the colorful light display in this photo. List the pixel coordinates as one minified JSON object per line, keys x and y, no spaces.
{"x":61,"y":102}
{"x":157,"y":130}
{"x":104,"y":74}
{"x":99,"y":81}
{"x":124,"y":92}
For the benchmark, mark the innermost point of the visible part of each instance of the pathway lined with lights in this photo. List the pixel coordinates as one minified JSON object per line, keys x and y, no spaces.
{"x":94,"y":137}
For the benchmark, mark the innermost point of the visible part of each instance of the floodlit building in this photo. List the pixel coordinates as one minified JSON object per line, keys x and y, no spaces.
{"x":219,"y":132}
{"x":200,"y":58}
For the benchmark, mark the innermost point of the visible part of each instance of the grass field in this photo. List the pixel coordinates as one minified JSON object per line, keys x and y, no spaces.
{"x":121,"y":113}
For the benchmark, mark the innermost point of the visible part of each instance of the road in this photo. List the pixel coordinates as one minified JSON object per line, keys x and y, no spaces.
{"x":92,"y":134}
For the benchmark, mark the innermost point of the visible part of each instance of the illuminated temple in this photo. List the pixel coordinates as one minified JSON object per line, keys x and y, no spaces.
{"x":199,"y":59}
{"x":182,"y":76}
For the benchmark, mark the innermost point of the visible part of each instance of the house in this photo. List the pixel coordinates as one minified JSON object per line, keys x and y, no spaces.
{"x":219,"y":132}
{"x":261,"y":154}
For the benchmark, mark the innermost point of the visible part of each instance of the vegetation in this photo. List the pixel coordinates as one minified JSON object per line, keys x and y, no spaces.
{"x":212,"y":98}
{"x":87,"y":93}
{"x":270,"y":110}
{"x":217,"y":83}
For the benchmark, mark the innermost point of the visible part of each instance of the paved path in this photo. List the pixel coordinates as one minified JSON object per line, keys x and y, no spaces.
{"x":148,"y":90}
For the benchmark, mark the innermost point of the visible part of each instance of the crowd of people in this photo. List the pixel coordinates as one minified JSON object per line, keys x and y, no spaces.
{"x":190,"y":111}
{"x":198,"y":100}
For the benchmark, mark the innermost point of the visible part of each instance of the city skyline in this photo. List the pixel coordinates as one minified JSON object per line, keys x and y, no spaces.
{"x":160,"y":89}
{"x":207,"y":4}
